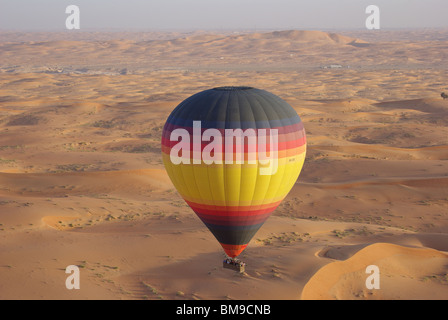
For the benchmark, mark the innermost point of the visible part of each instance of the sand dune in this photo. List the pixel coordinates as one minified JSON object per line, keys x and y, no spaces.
{"x":423,"y":105}
{"x":296,"y":35}
{"x":270,"y":51}
{"x":82,"y":181}
{"x":403,"y":274}
{"x":39,"y":184}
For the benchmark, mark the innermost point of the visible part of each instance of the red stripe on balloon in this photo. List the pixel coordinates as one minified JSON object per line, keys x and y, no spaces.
{"x":234,"y":221}
{"x":293,"y":128}
{"x":232,"y":211}
{"x":167,"y":145}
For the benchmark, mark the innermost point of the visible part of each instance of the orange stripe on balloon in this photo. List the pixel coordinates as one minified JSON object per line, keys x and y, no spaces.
{"x":285,"y":153}
{"x":233,"y":250}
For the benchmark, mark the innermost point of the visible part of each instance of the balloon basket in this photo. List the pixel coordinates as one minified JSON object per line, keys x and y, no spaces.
{"x":235,"y":265}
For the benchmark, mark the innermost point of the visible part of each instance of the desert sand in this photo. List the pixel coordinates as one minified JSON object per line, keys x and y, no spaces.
{"x":82,"y":181}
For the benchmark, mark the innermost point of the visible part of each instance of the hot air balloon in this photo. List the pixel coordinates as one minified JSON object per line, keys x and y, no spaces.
{"x":233,"y":154}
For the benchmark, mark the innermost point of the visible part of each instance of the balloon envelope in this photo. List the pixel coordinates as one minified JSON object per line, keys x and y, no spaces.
{"x":233,"y":153}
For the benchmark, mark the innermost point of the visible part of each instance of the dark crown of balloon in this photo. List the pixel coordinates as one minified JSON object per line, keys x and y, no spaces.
{"x":231,"y":88}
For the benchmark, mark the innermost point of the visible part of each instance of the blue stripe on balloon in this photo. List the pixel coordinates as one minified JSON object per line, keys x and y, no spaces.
{"x":235,"y":124}
{"x":235,"y":235}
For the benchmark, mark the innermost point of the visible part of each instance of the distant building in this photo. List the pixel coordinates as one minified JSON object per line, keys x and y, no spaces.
{"x":332,"y":66}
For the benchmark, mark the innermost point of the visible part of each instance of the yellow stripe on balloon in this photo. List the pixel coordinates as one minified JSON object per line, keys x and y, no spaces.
{"x":234,"y":185}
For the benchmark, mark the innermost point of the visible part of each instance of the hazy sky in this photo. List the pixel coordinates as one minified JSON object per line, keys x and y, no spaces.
{"x":220,"y":14}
